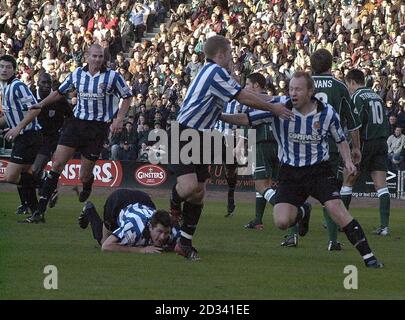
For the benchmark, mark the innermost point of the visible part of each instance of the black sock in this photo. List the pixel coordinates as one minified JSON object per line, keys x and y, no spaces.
{"x":96,"y":224}
{"x":231,"y":189}
{"x":176,"y":200}
{"x":191,"y":216}
{"x":20,"y":193}
{"x":88,"y":185}
{"x":28,"y":190}
{"x":48,"y":187}
{"x":356,"y":236}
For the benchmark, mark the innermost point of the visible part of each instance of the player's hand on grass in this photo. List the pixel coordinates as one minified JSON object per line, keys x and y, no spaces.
{"x":152,"y":249}
{"x":281,"y":111}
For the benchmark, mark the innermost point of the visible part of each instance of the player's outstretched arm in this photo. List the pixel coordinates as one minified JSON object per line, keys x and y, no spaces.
{"x":29,"y":117}
{"x":118,"y":122}
{"x":240,"y":119}
{"x":255,"y":101}
{"x":111,"y":244}
{"x":53,"y":97}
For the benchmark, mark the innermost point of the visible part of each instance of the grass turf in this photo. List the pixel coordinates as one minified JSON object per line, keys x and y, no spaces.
{"x":236,"y":263}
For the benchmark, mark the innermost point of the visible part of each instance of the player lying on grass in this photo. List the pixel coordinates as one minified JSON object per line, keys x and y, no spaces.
{"x":305,"y":170}
{"x":131,"y":223}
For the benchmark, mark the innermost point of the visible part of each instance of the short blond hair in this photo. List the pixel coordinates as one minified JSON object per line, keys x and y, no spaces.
{"x":307,"y":77}
{"x":214,"y":45}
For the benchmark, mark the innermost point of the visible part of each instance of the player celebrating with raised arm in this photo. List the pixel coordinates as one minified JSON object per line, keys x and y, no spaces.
{"x":202,"y":106}
{"x":305,"y":170}
{"x":98,"y":93}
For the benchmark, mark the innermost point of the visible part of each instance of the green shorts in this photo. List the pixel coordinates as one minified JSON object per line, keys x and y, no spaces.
{"x":267,"y":164}
{"x":374,"y":155}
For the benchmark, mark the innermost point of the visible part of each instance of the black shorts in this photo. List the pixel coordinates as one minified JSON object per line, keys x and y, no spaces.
{"x":297,"y":184}
{"x":26,"y":147}
{"x":179,"y":168}
{"x":120,"y":199}
{"x":87,"y":137}
{"x":50,"y":142}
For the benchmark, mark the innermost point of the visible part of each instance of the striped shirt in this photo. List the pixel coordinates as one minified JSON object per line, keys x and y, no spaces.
{"x":206,"y":97}
{"x":233,"y":107}
{"x":16,"y":101}
{"x":303,"y":141}
{"x":133,"y":227}
{"x":98,"y":96}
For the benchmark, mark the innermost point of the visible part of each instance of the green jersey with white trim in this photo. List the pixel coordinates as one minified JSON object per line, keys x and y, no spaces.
{"x":334,"y":92}
{"x":373,"y":118}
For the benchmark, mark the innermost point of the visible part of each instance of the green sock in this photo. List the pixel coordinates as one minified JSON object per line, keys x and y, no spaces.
{"x":260,"y":206}
{"x":331,"y":226}
{"x":346,"y":194}
{"x":384,"y":196}
{"x":293,"y":230}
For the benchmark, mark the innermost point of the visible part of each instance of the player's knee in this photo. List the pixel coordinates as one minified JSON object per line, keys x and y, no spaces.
{"x":58,"y":166}
{"x":187,"y":189}
{"x":282,"y":222}
{"x":11,"y":178}
{"x":335,"y":207}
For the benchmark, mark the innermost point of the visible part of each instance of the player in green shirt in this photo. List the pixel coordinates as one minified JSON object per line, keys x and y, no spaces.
{"x":373,"y":135}
{"x":334,"y":92}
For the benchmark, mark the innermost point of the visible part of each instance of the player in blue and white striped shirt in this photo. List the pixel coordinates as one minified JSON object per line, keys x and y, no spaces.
{"x":99,"y":91}
{"x":24,"y":130}
{"x":230,"y":138}
{"x":206,"y":97}
{"x":305,"y":171}
{"x":131,"y":223}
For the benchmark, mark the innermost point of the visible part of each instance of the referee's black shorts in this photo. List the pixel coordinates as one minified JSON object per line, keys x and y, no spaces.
{"x":296,"y":184}
{"x":26,"y":147}
{"x":87,"y":137}
{"x":120,"y":199}
{"x":48,"y":147}
{"x":178,"y":168}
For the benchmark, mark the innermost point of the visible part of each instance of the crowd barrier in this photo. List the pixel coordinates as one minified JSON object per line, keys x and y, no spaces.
{"x":132,"y":174}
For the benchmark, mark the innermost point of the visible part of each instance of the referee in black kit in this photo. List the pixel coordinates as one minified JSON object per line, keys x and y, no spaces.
{"x":51,"y":119}
{"x":98,"y":95}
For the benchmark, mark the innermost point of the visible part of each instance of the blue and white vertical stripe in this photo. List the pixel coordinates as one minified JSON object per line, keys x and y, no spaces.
{"x":303,"y":141}
{"x":233,"y":107}
{"x":132,"y":221}
{"x":98,"y":96}
{"x":16,"y":101}
{"x":206,"y":97}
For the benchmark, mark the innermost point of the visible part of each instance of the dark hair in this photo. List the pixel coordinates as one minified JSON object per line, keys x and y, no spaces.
{"x":257,"y":78}
{"x":162,"y":217}
{"x":215,"y":44}
{"x":9,"y":58}
{"x":356,"y":75}
{"x":321,"y":61}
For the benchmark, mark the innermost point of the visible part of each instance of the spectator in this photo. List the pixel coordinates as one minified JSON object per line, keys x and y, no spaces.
{"x":126,"y":153}
{"x":396,"y":144}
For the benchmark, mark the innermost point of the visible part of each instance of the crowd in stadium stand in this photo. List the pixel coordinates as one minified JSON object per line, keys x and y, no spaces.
{"x":273,"y":37}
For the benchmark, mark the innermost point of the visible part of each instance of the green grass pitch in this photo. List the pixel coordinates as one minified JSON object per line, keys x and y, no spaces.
{"x":236,"y":263}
